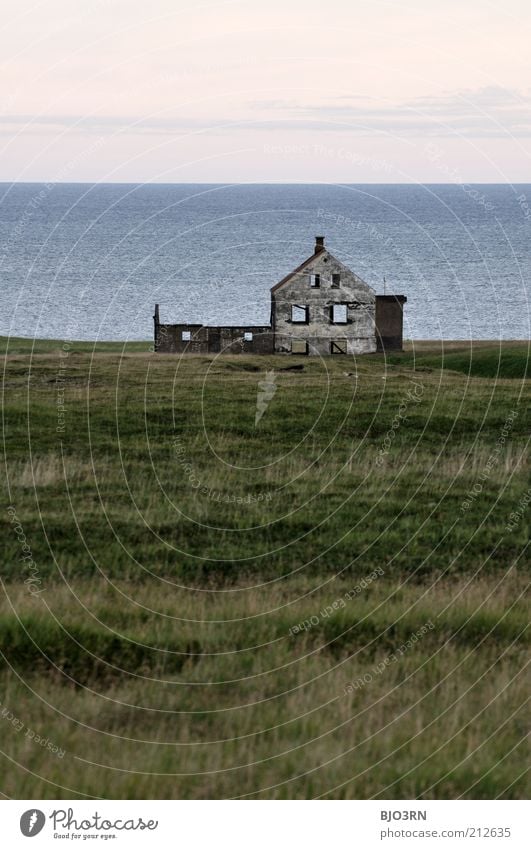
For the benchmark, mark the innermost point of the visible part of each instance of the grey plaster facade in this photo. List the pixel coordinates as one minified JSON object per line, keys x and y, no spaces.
{"x":322,"y":308}
{"x":339,"y":308}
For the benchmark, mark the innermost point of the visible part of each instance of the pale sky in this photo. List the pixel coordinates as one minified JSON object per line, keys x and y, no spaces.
{"x":272,"y":91}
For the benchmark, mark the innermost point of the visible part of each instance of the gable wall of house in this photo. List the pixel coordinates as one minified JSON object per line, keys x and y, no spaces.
{"x":358,"y":333}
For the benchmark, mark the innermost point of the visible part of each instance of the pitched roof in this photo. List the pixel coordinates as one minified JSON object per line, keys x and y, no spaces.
{"x":295,"y":271}
{"x":319,"y":250}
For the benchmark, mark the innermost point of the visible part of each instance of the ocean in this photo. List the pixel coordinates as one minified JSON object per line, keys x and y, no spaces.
{"x":83,"y":261}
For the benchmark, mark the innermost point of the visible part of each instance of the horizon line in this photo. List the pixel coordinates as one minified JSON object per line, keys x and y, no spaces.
{"x":252,"y":183}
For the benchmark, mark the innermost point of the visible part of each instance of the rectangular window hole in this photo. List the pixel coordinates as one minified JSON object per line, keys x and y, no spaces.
{"x":338,"y":314}
{"x":299,"y":314}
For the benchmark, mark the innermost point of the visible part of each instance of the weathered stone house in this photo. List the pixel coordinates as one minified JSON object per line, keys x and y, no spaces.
{"x":320,"y":308}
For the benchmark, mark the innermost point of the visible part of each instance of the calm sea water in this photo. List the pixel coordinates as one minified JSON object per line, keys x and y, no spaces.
{"x":84,"y":261}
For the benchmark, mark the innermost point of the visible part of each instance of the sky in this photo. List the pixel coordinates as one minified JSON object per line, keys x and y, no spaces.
{"x":343,"y":91}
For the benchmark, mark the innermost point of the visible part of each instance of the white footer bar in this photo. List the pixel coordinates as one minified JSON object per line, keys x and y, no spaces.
{"x":265,"y":824}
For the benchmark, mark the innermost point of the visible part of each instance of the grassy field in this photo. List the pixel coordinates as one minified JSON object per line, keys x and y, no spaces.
{"x":324,"y":602}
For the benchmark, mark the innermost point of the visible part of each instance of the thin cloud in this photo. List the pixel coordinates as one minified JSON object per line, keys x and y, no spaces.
{"x":493,"y":112}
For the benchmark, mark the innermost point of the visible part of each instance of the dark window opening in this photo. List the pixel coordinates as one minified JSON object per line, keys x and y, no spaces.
{"x":336,"y":280}
{"x":214,"y":342}
{"x":315,"y":281}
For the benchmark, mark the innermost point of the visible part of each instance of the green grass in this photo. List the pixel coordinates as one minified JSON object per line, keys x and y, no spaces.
{"x":208,"y":587}
{"x":22,"y":345}
{"x":503,"y":361}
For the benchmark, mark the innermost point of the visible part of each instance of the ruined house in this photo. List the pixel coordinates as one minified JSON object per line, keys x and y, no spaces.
{"x":321,"y":308}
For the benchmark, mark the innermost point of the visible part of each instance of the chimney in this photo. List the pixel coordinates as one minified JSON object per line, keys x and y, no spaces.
{"x":156,"y":316}
{"x":319,"y":244}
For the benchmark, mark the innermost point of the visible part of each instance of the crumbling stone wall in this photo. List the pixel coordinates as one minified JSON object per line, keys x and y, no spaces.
{"x":212,"y":340}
